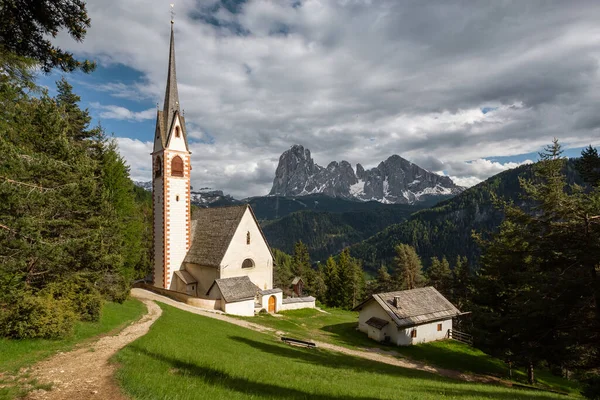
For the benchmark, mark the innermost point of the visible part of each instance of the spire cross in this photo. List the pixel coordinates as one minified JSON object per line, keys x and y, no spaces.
{"x":172,"y":12}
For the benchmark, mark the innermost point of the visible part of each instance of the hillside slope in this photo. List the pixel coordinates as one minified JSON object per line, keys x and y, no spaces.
{"x":327,"y":233}
{"x":446,"y":229}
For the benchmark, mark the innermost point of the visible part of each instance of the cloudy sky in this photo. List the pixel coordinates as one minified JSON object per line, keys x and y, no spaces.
{"x":463,"y":88}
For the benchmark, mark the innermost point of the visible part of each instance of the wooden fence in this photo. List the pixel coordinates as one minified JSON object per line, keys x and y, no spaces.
{"x":460,"y":336}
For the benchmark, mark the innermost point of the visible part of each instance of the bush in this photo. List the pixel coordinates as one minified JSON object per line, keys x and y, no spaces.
{"x":37,"y":317}
{"x":84,"y":299}
{"x":591,"y":389}
{"x":113,"y":288}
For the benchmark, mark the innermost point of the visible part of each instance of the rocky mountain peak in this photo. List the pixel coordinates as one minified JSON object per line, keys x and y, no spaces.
{"x":395,"y":180}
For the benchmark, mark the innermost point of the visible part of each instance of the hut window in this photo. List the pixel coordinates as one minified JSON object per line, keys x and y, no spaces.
{"x":248,"y":263}
{"x":248,"y":237}
{"x":177,"y":166}
{"x":177,"y":131}
{"x":439,"y":327}
{"x":413,"y":333}
{"x":157,"y":168}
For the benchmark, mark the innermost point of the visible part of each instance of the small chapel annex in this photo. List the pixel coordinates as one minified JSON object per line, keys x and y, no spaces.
{"x":218,"y":257}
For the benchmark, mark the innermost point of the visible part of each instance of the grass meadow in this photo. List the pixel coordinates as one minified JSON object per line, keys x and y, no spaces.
{"x":339,"y":327}
{"x":16,"y":354}
{"x":187,"y":356}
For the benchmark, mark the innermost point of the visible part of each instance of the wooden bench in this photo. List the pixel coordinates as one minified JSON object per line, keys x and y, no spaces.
{"x":298,"y":342}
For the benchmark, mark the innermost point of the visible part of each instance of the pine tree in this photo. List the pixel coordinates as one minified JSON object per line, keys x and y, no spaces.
{"x":333,"y":294}
{"x":588,"y":166}
{"x":537,"y":293}
{"x":78,"y":119}
{"x":282,"y":270}
{"x":409,"y":270}
{"x":439,"y":276}
{"x":461,"y":283}
{"x":384,"y":281}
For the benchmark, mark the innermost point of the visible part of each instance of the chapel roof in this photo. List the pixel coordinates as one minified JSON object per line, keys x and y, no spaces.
{"x":414,"y":307}
{"x":235,"y":289}
{"x":211,"y":232}
{"x":186,"y":277}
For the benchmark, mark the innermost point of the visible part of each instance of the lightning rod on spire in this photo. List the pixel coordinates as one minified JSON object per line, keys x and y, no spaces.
{"x":172,"y":13}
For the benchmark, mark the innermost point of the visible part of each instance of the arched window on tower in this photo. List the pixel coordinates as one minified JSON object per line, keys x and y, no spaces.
{"x":248,"y":263}
{"x":177,"y":166}
{"x":158,"y":168}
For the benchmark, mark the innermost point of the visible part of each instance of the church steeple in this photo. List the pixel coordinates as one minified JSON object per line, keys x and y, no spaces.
{"x":171,"y":94}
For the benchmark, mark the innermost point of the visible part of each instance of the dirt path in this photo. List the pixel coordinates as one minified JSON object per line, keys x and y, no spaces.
{"x":85,"y":373}
{"x":378,"y":355}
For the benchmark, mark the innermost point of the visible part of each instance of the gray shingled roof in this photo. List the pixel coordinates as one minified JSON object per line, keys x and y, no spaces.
{"x":291,"y":300}
{"x":269,"y":291}
{"x":416,"y":306}
{"x":376,"y":323}
{"x":212,"y":231}
{"x":235,"y":289}
{"x":186,"y":277}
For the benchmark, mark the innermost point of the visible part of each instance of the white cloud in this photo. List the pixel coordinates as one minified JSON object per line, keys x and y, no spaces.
{"x":358,"y":81}
{"x":122,"y":113}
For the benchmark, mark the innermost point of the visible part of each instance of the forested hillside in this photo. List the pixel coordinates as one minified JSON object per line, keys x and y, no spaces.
{"x":446,"y":229}
{"x":326,"y":233}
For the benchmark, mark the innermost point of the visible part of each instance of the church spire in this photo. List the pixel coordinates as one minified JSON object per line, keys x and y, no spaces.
{"x":171,"y":94}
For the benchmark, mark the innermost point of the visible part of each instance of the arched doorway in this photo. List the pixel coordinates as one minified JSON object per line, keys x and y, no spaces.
{"x":272,"y":304}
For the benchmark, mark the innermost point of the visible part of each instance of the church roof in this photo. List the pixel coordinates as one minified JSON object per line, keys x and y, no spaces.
{"x":234,"y":289}
{"x":212,"y":231}
{"x":171,"y":94}
{"x":414,"y":307}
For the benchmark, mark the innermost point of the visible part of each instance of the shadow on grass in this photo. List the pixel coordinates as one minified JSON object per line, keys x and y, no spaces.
{"x":343,"y":361}
{"x":346,"y":333}
{"x":227,"y":381}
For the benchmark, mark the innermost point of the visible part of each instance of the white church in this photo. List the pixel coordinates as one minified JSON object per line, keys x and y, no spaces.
{"x":217,"y":258}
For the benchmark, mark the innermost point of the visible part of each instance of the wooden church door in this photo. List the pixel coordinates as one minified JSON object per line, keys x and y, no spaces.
{"x":272,"y":304}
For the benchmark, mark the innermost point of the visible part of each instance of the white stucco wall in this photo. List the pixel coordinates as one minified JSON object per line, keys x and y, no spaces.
{"x":204,"y":275}
{"x":243,"y":308}
{"x":425,"y":333}
{"x":258,"y":250}
{"x":297,"y":306}
{"x":178,"y":217}
{"x":373,"y":309}
{"x":176,"y":143}
{"x":264,"y":301}
{"x":402,"y":337}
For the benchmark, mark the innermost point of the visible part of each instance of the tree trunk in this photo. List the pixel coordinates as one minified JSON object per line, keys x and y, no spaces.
{"x":530,"y":376}
{"x":510,"y":370}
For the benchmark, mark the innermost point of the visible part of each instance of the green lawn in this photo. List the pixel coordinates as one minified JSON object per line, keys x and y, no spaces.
{"x":16,"y":354}
{"x":339,"y":327}
{"x":188,"y":356}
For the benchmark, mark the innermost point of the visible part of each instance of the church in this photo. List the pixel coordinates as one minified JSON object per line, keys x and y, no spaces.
{"x":218,"y":258}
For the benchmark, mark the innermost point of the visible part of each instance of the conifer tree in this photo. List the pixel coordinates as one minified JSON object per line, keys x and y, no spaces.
{"x":333,"y":284}
{"x":439,"y":276}
{"x":588,"y":166}
{"x":409,"y":270}
{"x":384,"y":281}
{"x":461,"y":283}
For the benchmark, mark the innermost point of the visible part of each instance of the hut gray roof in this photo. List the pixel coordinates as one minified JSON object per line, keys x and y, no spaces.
{"x":296,"y":280}
{"x":186,"y":277}
{"x":414,"y":307}
{"x":234,"y":289}
{"x":211,"y":232}
{"x":376,"y":323}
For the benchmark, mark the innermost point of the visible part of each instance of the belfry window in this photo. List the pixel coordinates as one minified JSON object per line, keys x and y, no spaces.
{"x":158,"y":168}
{"x":248,"y":237}
{"x":177,"y":132}
{"x":177,"y":166}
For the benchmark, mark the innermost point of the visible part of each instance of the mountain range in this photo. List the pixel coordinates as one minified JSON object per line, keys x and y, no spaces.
{"x":394,"y":181}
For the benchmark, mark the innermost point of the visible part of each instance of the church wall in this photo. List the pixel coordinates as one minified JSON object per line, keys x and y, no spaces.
{"x":262,"y":272}
{"x":243,"y":308}
{"x":204,"y":275}
{"x":178,"y":215}
{"x":158,"y":225}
